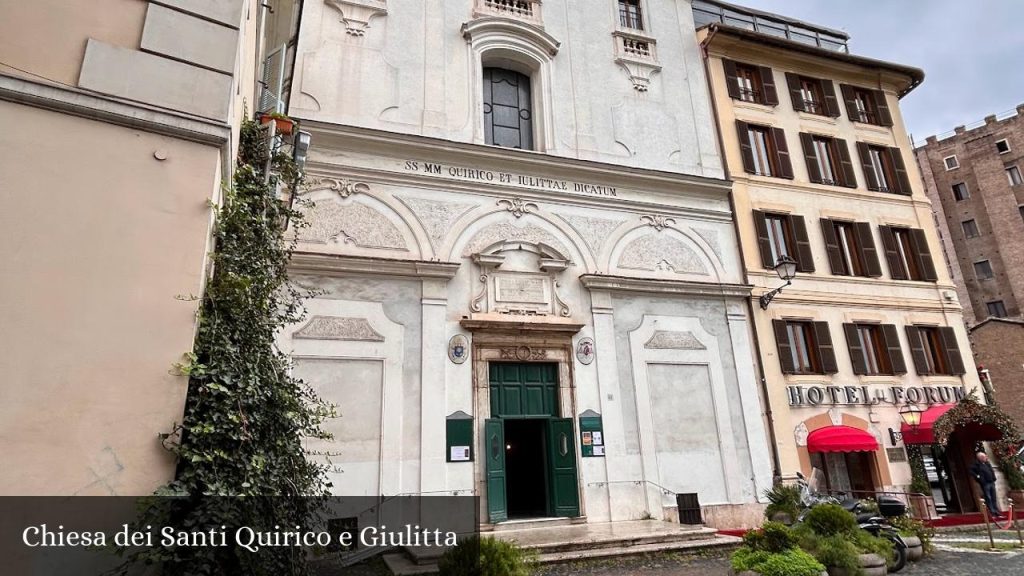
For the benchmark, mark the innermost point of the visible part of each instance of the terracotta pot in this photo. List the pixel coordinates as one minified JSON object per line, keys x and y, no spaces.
{"x":284,"y":125}
{"x":915,"y":550}
{"x":872,"y":564}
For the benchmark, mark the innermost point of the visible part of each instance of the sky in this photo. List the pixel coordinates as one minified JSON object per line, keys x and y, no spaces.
{"x":972,"y":52}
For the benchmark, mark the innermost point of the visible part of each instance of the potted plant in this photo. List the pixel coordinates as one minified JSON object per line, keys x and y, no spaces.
{"x":773,"y":551}
{"x":783,"y":503}
{"x":285,"y":125}
{"x":916,"y":534}
{"x":832,"y":536}
{"x":922,"y":504}
{"x":1009,"y":465}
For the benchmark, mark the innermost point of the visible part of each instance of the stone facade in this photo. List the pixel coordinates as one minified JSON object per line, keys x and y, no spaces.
{"x":607,"y":252}
{"x":994,"y":205}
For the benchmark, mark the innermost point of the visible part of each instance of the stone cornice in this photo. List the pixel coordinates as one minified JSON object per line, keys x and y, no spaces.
{"x":341,"y":265}
{"x":662,"y":286}
{"x":511,"y":27}
{"x":103,"y":108}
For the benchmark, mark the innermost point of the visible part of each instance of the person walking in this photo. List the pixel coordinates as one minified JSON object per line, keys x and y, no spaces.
{"x":985,"y":476}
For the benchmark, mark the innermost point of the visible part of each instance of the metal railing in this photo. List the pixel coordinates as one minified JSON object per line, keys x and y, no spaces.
{"x":906,"y":497}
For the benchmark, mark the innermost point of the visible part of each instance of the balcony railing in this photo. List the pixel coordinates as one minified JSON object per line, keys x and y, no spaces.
{"x":750,"y":95}
{"x":523,"y":9}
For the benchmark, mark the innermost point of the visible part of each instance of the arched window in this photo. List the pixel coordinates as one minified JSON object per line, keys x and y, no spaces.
{"x":508,"y":109}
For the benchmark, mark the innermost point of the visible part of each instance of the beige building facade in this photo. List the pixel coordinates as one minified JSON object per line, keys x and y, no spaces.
{"x":823,"y":174}
{"x":120,"y":126}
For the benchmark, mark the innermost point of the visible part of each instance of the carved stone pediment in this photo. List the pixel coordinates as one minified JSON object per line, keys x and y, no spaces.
{"x":519,"y":292}
{"x":356,"y":14}
{"x":339,"y":328}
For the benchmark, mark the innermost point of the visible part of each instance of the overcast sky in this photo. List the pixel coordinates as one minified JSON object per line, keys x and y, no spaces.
{"x":972,"y":52}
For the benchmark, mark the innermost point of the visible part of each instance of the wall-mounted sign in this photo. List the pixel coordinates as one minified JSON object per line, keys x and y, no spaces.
{"x":870,"y":396}
{"x":585,"y":350}
{"x":458,"y":349}
{"x":591,"y":434}
{"x":509,"y":179}
{"x":459,"y":437}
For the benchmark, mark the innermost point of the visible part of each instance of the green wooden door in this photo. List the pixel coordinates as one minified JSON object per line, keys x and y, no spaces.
{"x":565,"y":496}
{"x":523,"y":390}
{"x":494,"y":446}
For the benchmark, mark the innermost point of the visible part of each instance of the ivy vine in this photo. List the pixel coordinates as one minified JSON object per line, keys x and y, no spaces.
{"x":970,"y":412}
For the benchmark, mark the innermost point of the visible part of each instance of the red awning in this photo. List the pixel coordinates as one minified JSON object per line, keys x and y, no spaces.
{"x":841,"y":439}
{"x":925,"y":433}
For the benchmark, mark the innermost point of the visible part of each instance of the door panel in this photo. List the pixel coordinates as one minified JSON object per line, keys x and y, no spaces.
{"x":494,"y":446}
{"x":523,"y":390}
{"x":565,"y":495}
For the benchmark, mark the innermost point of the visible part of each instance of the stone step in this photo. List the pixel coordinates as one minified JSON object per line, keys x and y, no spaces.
{"x":531,"y":524}
{"x":637,"y":550}
{"x":599,"y":542}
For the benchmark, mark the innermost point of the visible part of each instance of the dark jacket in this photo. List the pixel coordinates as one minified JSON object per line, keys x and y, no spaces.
{"x":983,"y":472}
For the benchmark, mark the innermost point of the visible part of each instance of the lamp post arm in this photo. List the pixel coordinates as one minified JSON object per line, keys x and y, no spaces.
{"x":767,"y":297}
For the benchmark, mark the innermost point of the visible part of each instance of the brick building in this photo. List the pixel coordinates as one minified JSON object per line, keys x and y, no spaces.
{"x":974,"y":181}
{"x":991,"y":339}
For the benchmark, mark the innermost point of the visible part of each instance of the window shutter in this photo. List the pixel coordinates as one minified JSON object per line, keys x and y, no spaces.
{"x":868,"y":253}
{"x":835,"y":255}
{"x":902,"y":180}
{"x":732,"y":83}
{"x":891,"y":337}
{"x":882,"y":109}
{"x":746,"y":151}
{"x":785,"y":347}
{"x":764,"y":243}
{"x":826,"y":352}
{"x":525,"y":120}
{"x":771,"y":95}
{"x":917,"y":351}
{"x":488,"y":105}
{"x":794,"y":91}
{"x":831,"y":102}
{"x":954,"y":359}
{"x":860,"y":366}
{"x":851,"y":102}
{"x":892,"y":255}
{"x":782,"y":160}
{"x":849,"y":177}
{"x":813,"y":173}
{"x":865,"y":163}
{"x":805,"y":258}
{"x":919,"y":243}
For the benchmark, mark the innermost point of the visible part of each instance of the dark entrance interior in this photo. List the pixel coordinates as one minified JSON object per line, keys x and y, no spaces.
{"x":526,"y":464}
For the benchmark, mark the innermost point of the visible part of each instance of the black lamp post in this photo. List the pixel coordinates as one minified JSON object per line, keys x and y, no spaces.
{"x":785,"y":267}
{"x":911,"y":416}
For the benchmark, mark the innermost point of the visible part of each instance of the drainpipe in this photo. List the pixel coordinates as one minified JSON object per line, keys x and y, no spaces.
{"x":769,"y":416}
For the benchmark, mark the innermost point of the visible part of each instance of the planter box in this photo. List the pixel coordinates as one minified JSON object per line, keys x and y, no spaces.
{"x":751,"y":573}
{"x":915,"y":550}
{"x":923,"y":507}
{"x":873,"y":565}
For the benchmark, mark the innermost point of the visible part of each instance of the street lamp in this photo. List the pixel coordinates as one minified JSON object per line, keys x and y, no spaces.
{"x":911,"y":416}
{"x":785,"y":267}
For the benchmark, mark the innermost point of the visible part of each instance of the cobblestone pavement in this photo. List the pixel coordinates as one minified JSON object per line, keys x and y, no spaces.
{"x":942,"y":563}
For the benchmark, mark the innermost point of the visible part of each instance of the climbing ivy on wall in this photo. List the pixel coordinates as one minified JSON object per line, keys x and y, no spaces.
{"x":245,"y":415}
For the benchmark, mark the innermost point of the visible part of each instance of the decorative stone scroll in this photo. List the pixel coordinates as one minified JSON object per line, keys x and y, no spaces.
{"x":339,"y":328}
{"x":343,"y":187}
{"x":673,"y":340}
{"x":523,"y":353}
{"x":356,"y":14}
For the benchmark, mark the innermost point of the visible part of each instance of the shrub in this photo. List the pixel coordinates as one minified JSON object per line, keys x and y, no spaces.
{"x":783,"y":499}
{"x":772,"y":537}
{"x":475,"y":556}
{"x":829,"y":520}
{"x":907,"y":526}
{"x":866,"y":543}
{"x":836,"y":552}
{"x":792,"y":562}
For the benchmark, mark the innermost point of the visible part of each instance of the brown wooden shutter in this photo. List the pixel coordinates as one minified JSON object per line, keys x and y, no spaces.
{"x":868,"y":252}
{"x":771,"y":95}
{"x":847,"y":174}
{"x":732,"y":83}
{"x":785,"y":347}
{"x":851,"y":102}
{"x":860,"y":365}
{"x":882,"y":109}
{"x":865,"y":163}
{"x":804,"y":258}
{"x":892,"y":255}
{"x":954,"y":359}
{"x":835,"y":255}
{"x":919,"y":243}
{"x":917,"y":351}
{"x":793,"y":81}
{"x":902,"y":179}
{"x":891,"y":337}
{"x":826,"y":352}
{"x":813,"y":173}
{"x":746,"y":151}
{"x":764,"y":242}
{"x":782,"y":160}
{"x":831,"y":102}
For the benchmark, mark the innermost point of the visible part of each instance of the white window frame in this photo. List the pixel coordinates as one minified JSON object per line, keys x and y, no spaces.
{"x":1010,"y":170}
{"x":1004,"y":141}
{"x":945,"y":162}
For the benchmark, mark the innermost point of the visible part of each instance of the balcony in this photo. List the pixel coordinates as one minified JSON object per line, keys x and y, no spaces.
{"x":527,"y":10}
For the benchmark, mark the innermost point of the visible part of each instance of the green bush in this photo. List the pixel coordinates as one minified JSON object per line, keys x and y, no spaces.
{"x":792,"y":562}
{"x":475,"y":556}
{"x":866,"y":543}
{"x":829,"y":520}
{"x":907,"y":526}
{"x":772,"y":537}
{"x":836,"y":551}
{"x":783,"y":499}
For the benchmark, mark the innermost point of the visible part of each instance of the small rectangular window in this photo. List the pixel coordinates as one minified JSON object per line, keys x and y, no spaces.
{"x":935,"y":354}
{"x":849,"y":249}
{"x":749,"y":79}
{"x":1013,"y":175}
{"x":1002,"y":146}
{"x":802,"y":347}
{"x":951,"y":162}
{"x":997,"y":309}
{"x":813,"y":100}
{"x":960,"y":192}
{"x":872,"y":349}
{"x":630,"y":15}
{"x":763,"y":148}
{"x":983,"y":269}
{"x":970,"y":228}
{"x":780,"y":236}
{"x":826,"y":160}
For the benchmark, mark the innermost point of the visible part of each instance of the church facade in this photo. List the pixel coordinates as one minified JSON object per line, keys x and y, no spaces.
{"x":529,"y":285}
